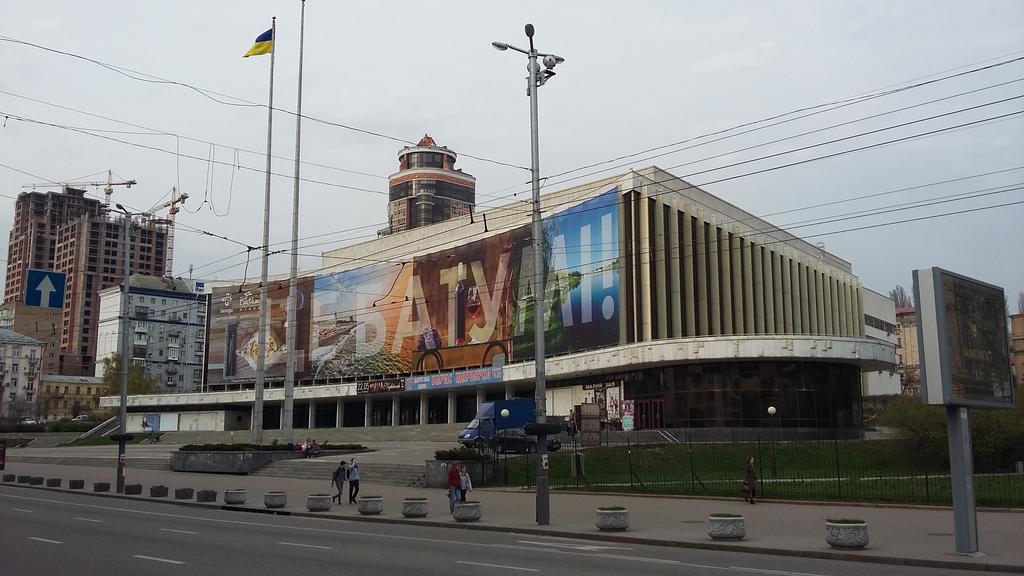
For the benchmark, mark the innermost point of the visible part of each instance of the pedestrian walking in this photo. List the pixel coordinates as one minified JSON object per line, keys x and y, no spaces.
{"x":338,"y":479}
{"x":353,"y":481}
{"x":749,"y":488}
{"x":465,"y":483}
{"x":454,"y":487}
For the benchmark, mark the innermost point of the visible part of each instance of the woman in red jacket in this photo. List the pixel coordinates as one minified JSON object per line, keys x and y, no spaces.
{"x":454,"y":487}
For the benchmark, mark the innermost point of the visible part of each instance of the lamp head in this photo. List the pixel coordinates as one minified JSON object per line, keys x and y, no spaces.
{"x":771,"y":410}
{"x":529,"y":30}
{"x":500,"y":46}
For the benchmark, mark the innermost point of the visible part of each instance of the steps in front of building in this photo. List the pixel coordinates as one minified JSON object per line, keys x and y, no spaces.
{"x":372,"y":434}
{"x":323,"y":468}
{"x":136,"y":463}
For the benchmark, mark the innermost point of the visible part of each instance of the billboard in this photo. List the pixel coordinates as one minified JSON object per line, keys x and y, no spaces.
{"x":962,"y":338}
{"x":472,"y":305}
{"x":234,"y":327}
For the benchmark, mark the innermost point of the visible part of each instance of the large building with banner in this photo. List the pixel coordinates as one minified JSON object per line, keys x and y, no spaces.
{"x":661,"y":300}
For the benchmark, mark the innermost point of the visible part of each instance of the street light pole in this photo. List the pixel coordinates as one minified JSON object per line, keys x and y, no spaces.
{"x":126,"y":256}
{"x":535,"y":80}
{"x":775,"y":439}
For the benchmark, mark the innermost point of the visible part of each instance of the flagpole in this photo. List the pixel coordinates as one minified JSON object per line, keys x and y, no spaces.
{"x":289,"y":377}
{"x":261,"y":339}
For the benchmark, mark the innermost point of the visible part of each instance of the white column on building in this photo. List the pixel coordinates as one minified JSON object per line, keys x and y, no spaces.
{"x":702,"y":277}
{"x":508,"y":391}
{"x":787,"y":294}
{"x":859,"y":307}
{"x":396,"y":405}
{"x":769,"y":293}
{"x":451,"y":407}
{"x":644,"y":249}
{"x":758,"y":283}
{"x":481,"y":396}
{"x":805,"y":308}
{"x":424,"y":408}
{"x":737,"y":283}
{"x":368,"y":412}
{"x":311,"y":417}
{"x":826,"y":288}
{"x":714,"y":299}
{"x":748,"y":288}
{"x":688,"y":289}
{"x":777,"y":288}
{"x":844,"y":308}
{"x":674,"y":264}
{"x":725,"y":269}
{"x":836,"y":319}
{"x":339,"y":416}
{"x":660,"y":305}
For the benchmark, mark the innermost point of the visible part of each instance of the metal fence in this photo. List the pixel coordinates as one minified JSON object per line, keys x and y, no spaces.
{"x":820,"y":466}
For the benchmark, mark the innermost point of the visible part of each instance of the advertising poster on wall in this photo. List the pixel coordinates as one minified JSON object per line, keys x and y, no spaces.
{"x":627,"y":415}
{"x":234,"y":327}
{"x":468,"y":306}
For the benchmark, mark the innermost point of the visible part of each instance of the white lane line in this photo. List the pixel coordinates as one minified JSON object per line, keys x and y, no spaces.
{"x":777,"y":572}
{"x":179,"y":531}
{"x":497,"y":566}
{"x":21,"y":510}
{"x":45,"y":540}
{"x":90,"y":520}
{"x":584,"y":547}
{"x":305,"y":545}
{"x":155,"y":559}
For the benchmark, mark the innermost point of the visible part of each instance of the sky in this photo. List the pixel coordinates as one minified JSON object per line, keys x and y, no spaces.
{"x":636,"y":76}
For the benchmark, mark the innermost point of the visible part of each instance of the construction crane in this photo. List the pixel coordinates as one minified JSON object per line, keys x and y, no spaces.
{"x":108,"y":186}
{"x":172,"y":204}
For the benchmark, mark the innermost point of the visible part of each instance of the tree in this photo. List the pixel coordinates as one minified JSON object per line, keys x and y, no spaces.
{"x":900,"y":297}
{"x":1020,"y":302}
{"x":138,"y":381}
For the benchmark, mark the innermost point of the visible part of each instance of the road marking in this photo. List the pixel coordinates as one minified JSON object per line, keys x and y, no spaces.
{"x":179,"y":531}
{"x":305,"y":545}
{"x":45,"y":540}
{"x":765,"y":571}
{"x":497,"y":566}
{"x":584,"y":547}
{"x":90,"y":520}
{"x":155,"y":559}
{"x":21,"y":510}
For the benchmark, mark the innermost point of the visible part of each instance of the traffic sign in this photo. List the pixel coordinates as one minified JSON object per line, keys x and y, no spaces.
{"x":45,"y":288}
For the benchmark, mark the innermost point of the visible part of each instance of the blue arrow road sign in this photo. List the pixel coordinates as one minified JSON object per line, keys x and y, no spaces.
{"x":45,"y":289}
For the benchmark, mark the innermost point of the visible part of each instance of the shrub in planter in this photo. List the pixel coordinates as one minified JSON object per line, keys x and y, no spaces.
{"x":726,"y":526}
{"x":158,"y":491}
{"x":370,"y":505}
{"x":415,"y":507}
{"x":206,"y":496}
{"x":847,"y":533}
{"x":184,"y":493}
{"x":235,"y":496}
{"x":318,"y":502}
{"x":275,"y":499}
{"x":468,"y":511}
{"x":461,"y":453}
{"x":76,"y":484}
{"x":133,"y":489}
{"x":612,"y":519}
{"x":53,"y":482}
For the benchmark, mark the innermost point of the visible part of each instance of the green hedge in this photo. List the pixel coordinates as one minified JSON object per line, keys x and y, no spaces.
{"x":462,"y":453}
{"x":22,"y":428}
{"x":275,"y":447}
{"x":66,"y":425}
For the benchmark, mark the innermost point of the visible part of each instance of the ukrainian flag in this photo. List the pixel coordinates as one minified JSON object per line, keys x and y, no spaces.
{"x":264,"y":44}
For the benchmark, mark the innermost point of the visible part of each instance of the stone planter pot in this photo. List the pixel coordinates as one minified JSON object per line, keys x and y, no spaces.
{"x":76,"y":484}
{"x":415,"y":507}
{"x":846,"y":534}
{"x":53,"y":482}
{"x":24,"y":479}
{"x":467,"y":511}
{"x":236,"y":496}
{"x":370,"y":505}
{"x":275,"y":499}
{"x":101,"y":486}
{"x":10,"y":477}
{"x":37,"y":481}
{"x":318,"y":502}
{"x":184,"y":493}
{"x":612,"y":519}
{"x":726,"y":527}
{"x":133,"y":489}
{"x":158,"y":491}
{"x":206,"y":496}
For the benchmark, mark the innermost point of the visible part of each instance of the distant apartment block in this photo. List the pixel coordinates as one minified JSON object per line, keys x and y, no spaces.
{"x":19,"y":374}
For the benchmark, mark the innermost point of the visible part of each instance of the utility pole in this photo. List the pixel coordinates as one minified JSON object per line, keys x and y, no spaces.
{"x":125,"y":348}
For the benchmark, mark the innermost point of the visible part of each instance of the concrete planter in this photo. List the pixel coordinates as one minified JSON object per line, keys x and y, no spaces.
{"x":846,"y":534}
{"x":726,"y":527}
{"x":101,"y":486}
{"x":24,"y":479}
{"x":612,"y":519}
{"x":184,"y":493}
{"x":467,"y":511}
{"x":206,"y":496}
{"x":158,"y":491}
{"x":415,"y":507}
{"x":10,"y":477}
{"x":481,"y":472}
{"x":76,"y":484}
{"x":318,"y":502}
{"x":133,"y":489}
{"x":53,"y":482}
{"x":36,"y":481}
{"x":370,"y":505}
{"x":275,"y":499}
{"x":236,"y":496}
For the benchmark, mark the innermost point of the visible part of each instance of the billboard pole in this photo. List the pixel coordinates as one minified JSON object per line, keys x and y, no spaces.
{"x":961,"y":468}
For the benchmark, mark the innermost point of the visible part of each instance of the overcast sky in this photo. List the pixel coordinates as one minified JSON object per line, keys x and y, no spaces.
{"x":637,"y":75}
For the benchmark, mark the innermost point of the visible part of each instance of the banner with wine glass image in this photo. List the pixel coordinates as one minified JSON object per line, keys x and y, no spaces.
{"x":472,"y":305}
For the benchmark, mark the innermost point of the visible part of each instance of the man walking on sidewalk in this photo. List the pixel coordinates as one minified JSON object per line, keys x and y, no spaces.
{"x":338,"y":479}
{"x":353,"y":482}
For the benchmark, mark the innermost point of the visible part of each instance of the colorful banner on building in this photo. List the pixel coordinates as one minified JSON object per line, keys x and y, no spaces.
{"x":476,"y":377}
{"x":377,"y":386}
{"x":471,"y":305}
{"x":234,"y":327}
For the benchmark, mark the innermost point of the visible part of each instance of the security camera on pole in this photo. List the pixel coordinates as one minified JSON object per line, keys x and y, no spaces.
{"x":536,"y":79}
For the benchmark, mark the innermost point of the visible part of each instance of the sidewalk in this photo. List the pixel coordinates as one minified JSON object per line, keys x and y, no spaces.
{"x":922,"y":537}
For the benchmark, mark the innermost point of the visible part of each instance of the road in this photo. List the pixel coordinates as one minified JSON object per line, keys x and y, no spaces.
{"x":60,"y":533}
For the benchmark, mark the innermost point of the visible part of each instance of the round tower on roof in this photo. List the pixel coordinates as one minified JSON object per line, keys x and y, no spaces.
{"x":427,"y":187}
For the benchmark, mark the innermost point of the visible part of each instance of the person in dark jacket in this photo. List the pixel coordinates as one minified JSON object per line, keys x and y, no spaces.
{"x":749,"y":481}
{"x":338,"y":479}
{"x":353,"y":481}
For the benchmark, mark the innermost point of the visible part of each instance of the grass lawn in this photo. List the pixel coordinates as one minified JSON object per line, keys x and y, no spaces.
{"x":854,"y":471}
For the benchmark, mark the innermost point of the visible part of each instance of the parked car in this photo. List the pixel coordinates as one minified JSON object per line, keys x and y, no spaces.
{"x":515,"y":440}
{"x":81,"y":418}
{"x":29,"y":420}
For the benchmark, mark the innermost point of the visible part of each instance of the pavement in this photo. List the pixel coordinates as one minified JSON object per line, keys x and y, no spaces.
{"x":900,"y":536}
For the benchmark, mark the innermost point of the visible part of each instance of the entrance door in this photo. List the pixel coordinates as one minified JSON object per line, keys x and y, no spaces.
{"x":649,"y":414}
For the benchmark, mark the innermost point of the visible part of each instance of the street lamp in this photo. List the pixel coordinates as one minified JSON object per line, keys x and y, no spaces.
{"x":536,"y":79}
{"x":775,"y":434}
{"x":126,"y":255}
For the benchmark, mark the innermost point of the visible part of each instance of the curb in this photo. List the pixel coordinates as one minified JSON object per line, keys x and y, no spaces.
{"x":619,"y":538}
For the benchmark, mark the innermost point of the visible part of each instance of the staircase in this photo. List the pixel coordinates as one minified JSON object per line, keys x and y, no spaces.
{"x":369,"y":472}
